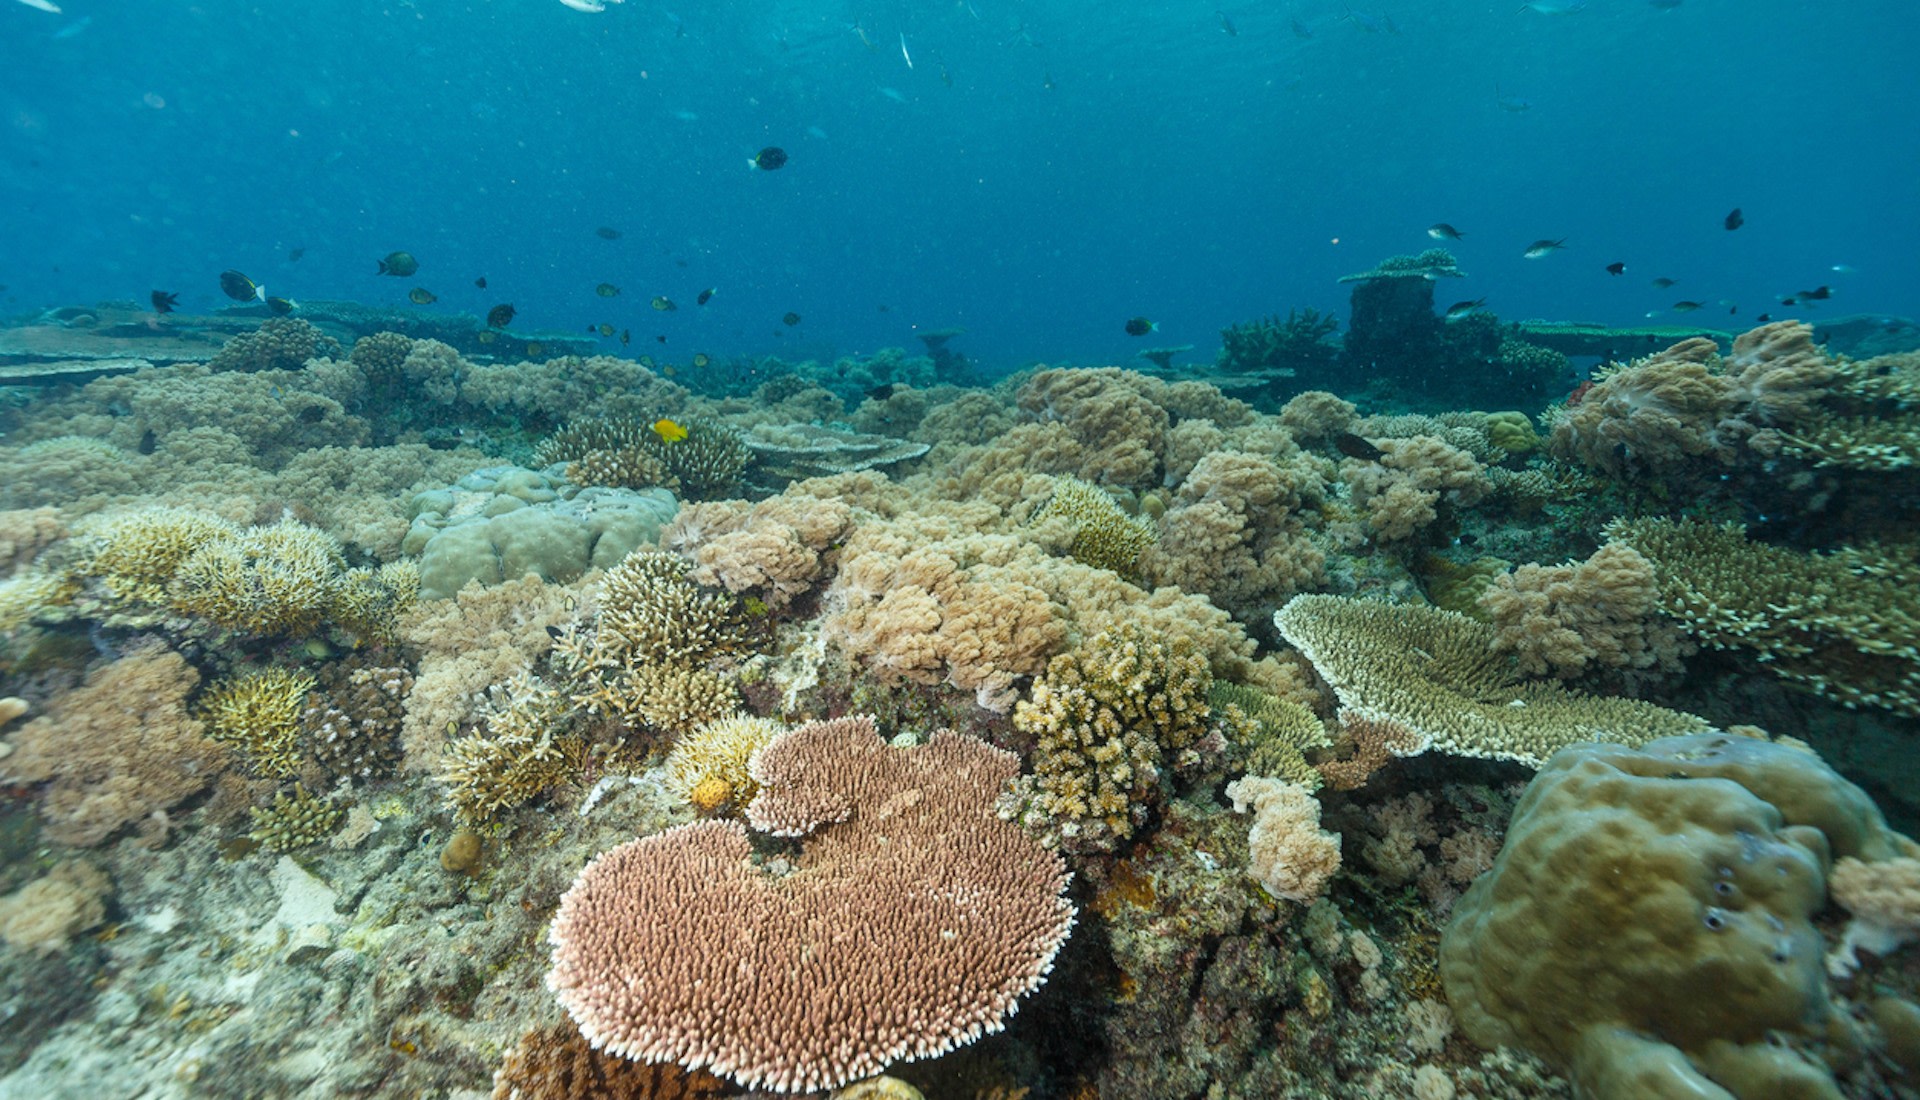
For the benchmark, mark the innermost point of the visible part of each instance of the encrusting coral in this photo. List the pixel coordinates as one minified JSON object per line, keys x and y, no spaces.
{"x":959,"y":916}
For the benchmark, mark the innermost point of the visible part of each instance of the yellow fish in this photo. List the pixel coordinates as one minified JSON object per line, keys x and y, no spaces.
{"x":668,"y":431}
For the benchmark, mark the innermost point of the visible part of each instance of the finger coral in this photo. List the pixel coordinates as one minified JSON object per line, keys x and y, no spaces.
{"x":295,"y":820}
{"x":932,"y":916}
{"x":1436,"y":674}
{"x":1106,"y":720}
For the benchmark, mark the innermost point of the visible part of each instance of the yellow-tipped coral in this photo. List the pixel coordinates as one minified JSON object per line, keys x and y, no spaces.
{"x":265,"y":580}
{"x":708,"y":767}
{"x":1103,"y":536}
{"x":259,"y":713}
{"x":136,"y":554}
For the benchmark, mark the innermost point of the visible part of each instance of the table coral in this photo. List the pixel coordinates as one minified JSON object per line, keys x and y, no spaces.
{"x":1841,"y":624}
{"x":932,"y":917}
{"x":1647,"y":925}
{"x":1436,"y":673}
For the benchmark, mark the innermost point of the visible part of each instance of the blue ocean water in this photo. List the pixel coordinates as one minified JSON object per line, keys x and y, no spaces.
{"x":1039,"y":172}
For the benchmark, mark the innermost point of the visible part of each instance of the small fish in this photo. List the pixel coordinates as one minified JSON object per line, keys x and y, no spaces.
{"x":240,"y":288}
{"x":282,"y":306}
{"x":481,"y":282}
{"x":1842,"y":269}
{"x":607,"y":290}
{"x":1441,"y":231}
{"x":881,"y":393}
{"x":670,"y":371}
{"x":1616,"y":268}
{"x":1764,"y":318}
{"x":903,"y":49}
{"x":1734,"y":219}
{"x":1788,"y":302}
{"x":626,"y":337}
{"x":705,"y":297}
{"x":1468,"y":539}
{"x":1819,"y":294}
{"x":421,"y":296}
{"x":646,"y":361}
{"x":1140,"y":326}
{"x":1555,"y":7}
{"x":1685,"y":307}
{"x":500,"y":316}
{"x":293,"y":257}
{"x":1353,"y":446}
{"x":607,"y":233}
{"x":399,"y":264}
{"x":484,"y":337}
{"x":535,"y":349}
{"x":1226,"y":25}
{"x":1301,"y":30}
{"x":1458,"y":310}
{"x":1663,"y":282}
{"x":164,"y":302}
{"x":42,"y":5}
{"x":1510,"y":103}
{"x":668,"y":431}
{"x":701,"y":360}
{"x":790,"y":319}
{"x":663,"y":303}
{"x":660,"y":339}
{"x":1544,"y":247}
{"x":768,"y":159}
{"x":604,"y":329}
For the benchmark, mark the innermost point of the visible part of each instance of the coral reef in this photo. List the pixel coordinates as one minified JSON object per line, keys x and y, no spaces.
{"x":1291,"y":855}
{"x":773,"y":550}
{"x":556,"y":1063}
{"x":959,"y":914}
{"x":709,"y":766}
{"x":48,"y":912}
{"x":280,"y":343}
{"x":296,"y":820}
{"x":1402,"y":492}
{"x":1568,"y":619}
{"x":259,"y":713}
{"x":1104,"y":537}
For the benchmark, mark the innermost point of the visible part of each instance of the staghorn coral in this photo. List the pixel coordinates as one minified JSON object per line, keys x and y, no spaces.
{"x":272,"y":580}
{"x":670,"y":698}
{"x":1106,"y":719}
{"x":1287,"y":850}
{"x":31,"y":596}
{"x":136,"y":554}
{"x":705,"y":465}
{"x":294,"y":821}
{"x":1103,"y":536}
{"x":650,"y":613}
{"x":259,"y":713}
{"x":117,"y":748}
{"x":1436,"y":675}
{"x":717,"y":753}
{"x":369,"y":601}
{"x":1570,"y":619}
{"x":1840,"y":624}
{"x":280,"y":343}
{"x":521,"y":750}
{"x":960,"y":915}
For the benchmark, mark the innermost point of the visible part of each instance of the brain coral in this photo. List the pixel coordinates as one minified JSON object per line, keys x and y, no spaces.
{"x":1647,"y":924}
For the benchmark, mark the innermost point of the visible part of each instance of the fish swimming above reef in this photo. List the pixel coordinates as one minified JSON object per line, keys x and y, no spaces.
{"x":481,"y":282}
{"x":1543,"y":248}
{"x":602,"y":328}
{"x":1301,"y":30}
{"x":1226,"y":25}
{"x":663,"y":304}
{"x":1140,"y":326}
{"x":589,"y":6}
{"x":607,"y":290}
{"x":1616,"y":268}
{"x":399,"y":264}
{"x":790,"y":319}
{"x":1663,"y":282}
{"x":705,"y":297}
{"x":1555,"y":7}
{"x":1734,"y":220}
{"x":668,"y":431}
{"x":500,"y":316}
{"x":701,"y":360}
{"x":1441,"y":231}
{"x":607,"y":233}
{"x":1354,"y":446}
{"x":769,"y":159}
{"x":240,"y":288}
{"x":164,"y":302}
{"x":421,"y":296}
{"x":282,"y":306}
{"x":1459,"y":310}
{"x":43,"y":5}
{"x":1685,"y":307}
{"x":626,"y":336}
{"x":293,"y":255}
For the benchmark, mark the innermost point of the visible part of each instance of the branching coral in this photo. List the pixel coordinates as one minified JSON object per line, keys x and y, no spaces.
{"x":259,"y":713}
{"x":1840,"y":624}
{"x":628,"y":453}
{"x":295,"y":820}
{"x":708,"y":766}
{"x":524,"y":750}
{"x":1570,"y":619}
{"x":136,"y":554}
{"x":1436,"y":674}
{"x":1103,"y":536}
{"x":1106,"y":720}
{"x":1268,"y":735}
{"x":1296,"y":343}
{"x":264,"y":580}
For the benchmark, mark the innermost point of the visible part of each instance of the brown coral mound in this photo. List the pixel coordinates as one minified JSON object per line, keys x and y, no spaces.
{"x":119,"y":747}
{"x":1402,"y":492}
{"x":555,"y":1063}
{"x":912,"y":921}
